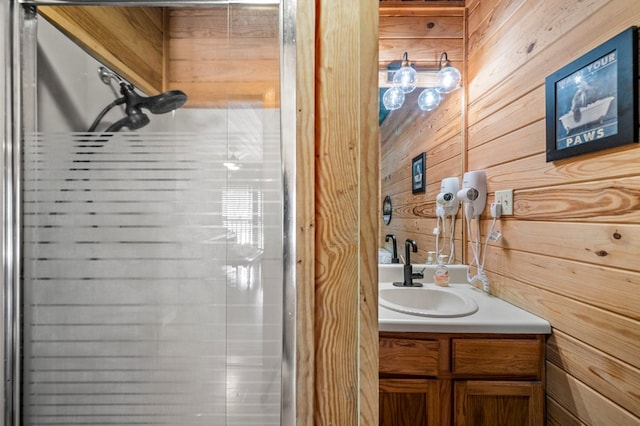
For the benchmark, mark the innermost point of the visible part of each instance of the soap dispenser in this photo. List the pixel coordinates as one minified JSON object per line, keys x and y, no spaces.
{"x":441,"y":275}
{"x":430,"y":257}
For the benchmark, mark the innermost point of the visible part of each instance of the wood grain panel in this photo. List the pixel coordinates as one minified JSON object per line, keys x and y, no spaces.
{"x":516,"y":78}
{"x":585,"y":283}
{"x":211,"y":49}
{"x":522,"y":112}
{"x":369,"y":176}
{"x":420,"y":8}
{"x":229,"y":95}
{"x":127,"y":39}
{"x":583,"y":402}
{"x":481,"y":18}
{"x":411,"y":402}
{"x":156,"y":15}
{"x":424,"y":53}
{"x":593,"y":244}
{"x":346,"y":138}
{"x":417,"y":27}
{"x":199,"y":23}
{"x":515,"y":145}
{"x":214,"y":22}
{"x":524,"y":41}
{"x":225,"y":71}
{"x":406,"y":356}
{"x":558,"y":416}
{"x":534,"y":172}
{"x":498,"y":357}
{"x":225,"y":56}
{"x":615,"y":200}
{"x":613,"y":379}
{"x":484,"y":403}
{"x":305,"y":211}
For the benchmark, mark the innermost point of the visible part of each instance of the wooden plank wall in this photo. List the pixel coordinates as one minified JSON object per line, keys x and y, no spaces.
{"x":225,"y":56}
{"x":570,"y":252}
{"x":407,"y":132}
{"x":128,"y":39}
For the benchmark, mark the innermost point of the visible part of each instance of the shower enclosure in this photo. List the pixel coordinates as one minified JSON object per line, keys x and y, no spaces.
{"x":147,"y":270}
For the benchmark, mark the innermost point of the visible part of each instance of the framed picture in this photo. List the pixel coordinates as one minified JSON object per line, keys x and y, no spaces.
{"x":591,"y":104}
{"x":418,"y":176}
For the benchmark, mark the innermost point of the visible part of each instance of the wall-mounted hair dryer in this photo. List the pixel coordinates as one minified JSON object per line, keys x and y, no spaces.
{"x":447,"y":203}
{"x":473,"y":193}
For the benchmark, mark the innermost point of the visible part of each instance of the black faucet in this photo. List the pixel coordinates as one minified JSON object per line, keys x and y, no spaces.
{"x":409,"y":275}
{"x":394,"y":258}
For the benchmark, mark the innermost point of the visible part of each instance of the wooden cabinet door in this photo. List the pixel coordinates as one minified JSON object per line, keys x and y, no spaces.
{"x":499,"y":403}
{"x":414,"y":402}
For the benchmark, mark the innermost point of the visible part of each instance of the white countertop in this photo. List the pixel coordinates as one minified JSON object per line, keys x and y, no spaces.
{"x":494,"y":315}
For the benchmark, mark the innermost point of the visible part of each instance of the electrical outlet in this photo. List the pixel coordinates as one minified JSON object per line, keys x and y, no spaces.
{"x":505,"y":198}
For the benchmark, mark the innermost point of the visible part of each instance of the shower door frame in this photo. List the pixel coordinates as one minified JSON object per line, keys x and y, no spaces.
{"x":20,"y":68}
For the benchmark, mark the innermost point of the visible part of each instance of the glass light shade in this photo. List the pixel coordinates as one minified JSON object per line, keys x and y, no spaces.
{"x":448,"y":79}
{"x":429,"y":99}
{"x":393,"y":98}
{"x":406,"y":78}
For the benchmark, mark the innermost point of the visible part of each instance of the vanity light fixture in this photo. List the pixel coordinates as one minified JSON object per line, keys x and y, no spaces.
{"x":393,"y":98}
{"x":406,"y":77}
{"x":405,"y":80}
{"x":448,"y":76}
{"x":429,"y":99}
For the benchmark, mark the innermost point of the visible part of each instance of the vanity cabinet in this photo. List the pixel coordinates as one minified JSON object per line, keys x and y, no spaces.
{"x":412,"y":402}
{"x":461,"y":379}
{"x":491,"y":403}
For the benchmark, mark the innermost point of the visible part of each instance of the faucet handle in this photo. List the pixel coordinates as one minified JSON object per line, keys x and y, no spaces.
{"x":419,"y":274}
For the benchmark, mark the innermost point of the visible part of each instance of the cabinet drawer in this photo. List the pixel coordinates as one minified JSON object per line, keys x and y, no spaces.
{"x":497,"y":357}
{"x":409,"y":357}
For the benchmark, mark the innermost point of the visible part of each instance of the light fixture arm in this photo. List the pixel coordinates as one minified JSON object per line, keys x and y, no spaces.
{"x":446,"y":60}
{"x":405,"y":60}
{"x":443,"y":62}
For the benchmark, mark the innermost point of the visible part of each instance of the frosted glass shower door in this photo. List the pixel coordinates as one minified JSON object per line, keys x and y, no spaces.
{"x":152,"y":268}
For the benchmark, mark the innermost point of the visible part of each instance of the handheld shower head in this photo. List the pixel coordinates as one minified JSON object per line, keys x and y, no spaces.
{"x":164,"y":102}
{"x":158,"y":104}
{"x":136,"y":119}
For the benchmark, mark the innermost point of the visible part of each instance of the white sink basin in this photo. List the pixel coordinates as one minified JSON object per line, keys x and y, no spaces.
{"x":427,"y":302}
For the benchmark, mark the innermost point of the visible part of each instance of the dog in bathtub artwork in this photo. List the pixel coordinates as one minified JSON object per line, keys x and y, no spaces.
{"x":587,"y":99}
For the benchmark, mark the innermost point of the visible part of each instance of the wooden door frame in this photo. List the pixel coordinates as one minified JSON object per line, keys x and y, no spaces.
{"x":337,"y":209}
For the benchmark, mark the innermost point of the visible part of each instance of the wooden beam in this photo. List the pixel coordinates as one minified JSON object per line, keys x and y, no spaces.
{"x":346,"y":221}
{"x":305,"y":211}
{"x":129,"y":40}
